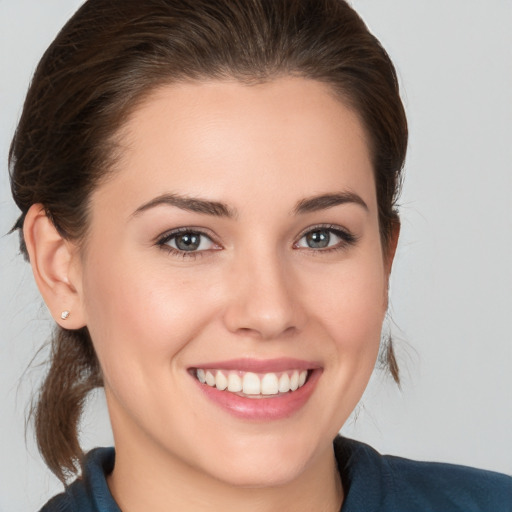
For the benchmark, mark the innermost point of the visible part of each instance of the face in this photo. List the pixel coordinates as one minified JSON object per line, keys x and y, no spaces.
{"x":233,"y":279}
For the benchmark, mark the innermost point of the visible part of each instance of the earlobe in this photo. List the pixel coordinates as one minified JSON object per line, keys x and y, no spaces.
{"x":52,"y":258}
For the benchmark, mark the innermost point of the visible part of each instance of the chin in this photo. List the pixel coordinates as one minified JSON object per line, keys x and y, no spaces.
{"x":266,"y":461}
{"x":255,"y":476}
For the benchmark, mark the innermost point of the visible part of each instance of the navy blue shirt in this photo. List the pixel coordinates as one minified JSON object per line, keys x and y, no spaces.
{"x":372,"y":483}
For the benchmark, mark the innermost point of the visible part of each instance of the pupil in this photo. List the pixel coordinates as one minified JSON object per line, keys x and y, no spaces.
{"x":318,"y":239}
{"x":188,"y":241}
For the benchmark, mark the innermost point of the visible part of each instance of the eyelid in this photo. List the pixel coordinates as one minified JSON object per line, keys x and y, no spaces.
{"x":163,"y":237}
{"x":347,"y":237}
{"x":162,"y":241}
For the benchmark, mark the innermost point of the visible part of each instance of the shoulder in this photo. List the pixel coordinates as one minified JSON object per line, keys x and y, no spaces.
{"x":397,"y":484}
{"x":74,"y":499}
{"x":60,"y":503}
{"x":447,"y":485}
{"x":89,"y":493}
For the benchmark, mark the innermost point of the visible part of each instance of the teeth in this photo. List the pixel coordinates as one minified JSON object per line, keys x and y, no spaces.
{"x":234,"y":383}
{"x":210,"y":378}
{"x":294,"y":380}
{"x":270,"y":384}
{"x":250,"y":383}
{"x":221,"y":382}
{"x":284,"y":383}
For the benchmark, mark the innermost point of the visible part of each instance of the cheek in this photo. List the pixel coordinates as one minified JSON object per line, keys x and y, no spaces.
{"x":136,"y":315}
{"x":353,"y":307}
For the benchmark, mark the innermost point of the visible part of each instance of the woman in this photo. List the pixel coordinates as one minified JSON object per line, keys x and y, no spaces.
{"x":207,"y":193}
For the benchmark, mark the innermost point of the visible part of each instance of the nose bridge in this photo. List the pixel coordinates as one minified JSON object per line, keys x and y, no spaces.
{"x":262,"y":300}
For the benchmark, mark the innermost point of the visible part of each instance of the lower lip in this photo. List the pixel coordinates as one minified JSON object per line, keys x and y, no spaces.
{"x":272,"y":408}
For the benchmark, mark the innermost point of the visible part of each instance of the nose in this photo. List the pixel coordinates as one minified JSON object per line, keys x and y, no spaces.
{"x":263,"y":298}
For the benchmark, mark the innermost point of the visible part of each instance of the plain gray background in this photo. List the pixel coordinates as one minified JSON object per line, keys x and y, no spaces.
{"x":452,"y":280}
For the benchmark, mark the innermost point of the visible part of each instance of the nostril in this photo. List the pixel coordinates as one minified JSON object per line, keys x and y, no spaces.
{"x":267,"y":333}
{"x":262,"y":308}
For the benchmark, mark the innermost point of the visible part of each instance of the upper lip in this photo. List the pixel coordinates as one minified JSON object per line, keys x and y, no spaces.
{"x":261,"y":365}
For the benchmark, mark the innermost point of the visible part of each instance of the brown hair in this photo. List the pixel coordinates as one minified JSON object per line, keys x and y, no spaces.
{"x":108,"y":58}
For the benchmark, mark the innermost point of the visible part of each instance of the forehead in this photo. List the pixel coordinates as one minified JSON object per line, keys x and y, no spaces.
{"x":286,"y":137}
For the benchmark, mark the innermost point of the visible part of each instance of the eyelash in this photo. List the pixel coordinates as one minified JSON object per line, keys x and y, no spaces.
{"x":347,"y":239}
{"x":164,"y":240}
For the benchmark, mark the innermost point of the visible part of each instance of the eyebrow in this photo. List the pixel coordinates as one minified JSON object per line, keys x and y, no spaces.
{"x":324,"y":201}
{"x":219,"y":209}
{"x":191,"y":204}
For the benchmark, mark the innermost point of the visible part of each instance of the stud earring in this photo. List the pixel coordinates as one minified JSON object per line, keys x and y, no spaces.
{"x":65,"y":315}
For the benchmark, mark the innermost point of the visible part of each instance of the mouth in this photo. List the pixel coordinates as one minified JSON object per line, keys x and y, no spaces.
{"x":256,"y":390}
{"x":251,"y":384}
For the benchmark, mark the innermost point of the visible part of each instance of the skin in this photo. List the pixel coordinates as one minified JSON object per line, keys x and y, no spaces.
{"x":254,"y":290}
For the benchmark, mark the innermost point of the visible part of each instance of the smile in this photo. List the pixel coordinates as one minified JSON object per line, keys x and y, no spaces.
{"x":258,"y":390}
{"x":251,"y":384}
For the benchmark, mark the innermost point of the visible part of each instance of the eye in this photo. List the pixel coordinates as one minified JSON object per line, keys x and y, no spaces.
{"x":186,"y":241}
{"x":325,"y":238}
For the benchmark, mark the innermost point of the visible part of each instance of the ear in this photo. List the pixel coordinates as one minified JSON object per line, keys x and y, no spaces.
{"x":56,"y":266}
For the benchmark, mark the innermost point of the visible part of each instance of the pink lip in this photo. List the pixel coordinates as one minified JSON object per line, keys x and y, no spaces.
{"x":263,"y":409}
{"x":260,"y":365}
